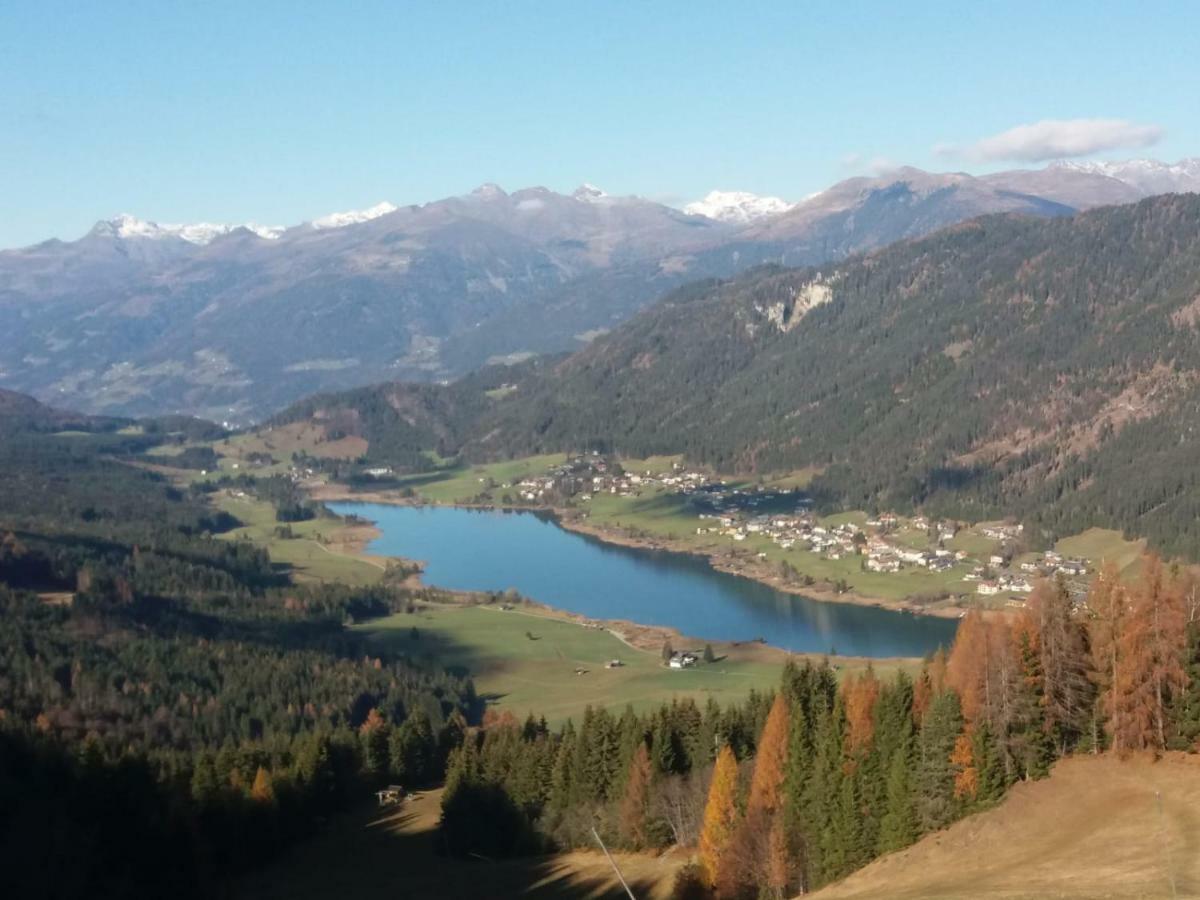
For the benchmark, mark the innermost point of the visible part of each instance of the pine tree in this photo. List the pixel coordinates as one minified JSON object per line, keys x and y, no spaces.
{"x":1185,"y":706}
{"x":720,"y":815}
{"x":1027,"y":744}
{"x":898,"y":827}
{"x":936,"y":807}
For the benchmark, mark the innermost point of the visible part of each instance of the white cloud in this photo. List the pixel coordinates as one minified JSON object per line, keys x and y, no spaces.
{"x":1056,"y":139}
{"x":870,"y":165}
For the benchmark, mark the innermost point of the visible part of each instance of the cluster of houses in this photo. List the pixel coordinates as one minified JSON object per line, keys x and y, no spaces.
{"x":682,"y":660}
{"x":585,"y":475}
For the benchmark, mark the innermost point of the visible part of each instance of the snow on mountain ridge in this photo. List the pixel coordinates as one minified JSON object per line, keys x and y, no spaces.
{"x":1148,"y":175}
{"x":353,"y":216}
{"x":736,"y":207}
{"x":126,"y":226}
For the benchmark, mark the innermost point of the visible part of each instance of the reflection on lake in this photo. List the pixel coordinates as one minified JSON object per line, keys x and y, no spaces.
{"x":475,"y":550}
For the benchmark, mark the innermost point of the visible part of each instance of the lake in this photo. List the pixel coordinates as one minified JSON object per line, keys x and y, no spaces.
{"x":474,"y":550}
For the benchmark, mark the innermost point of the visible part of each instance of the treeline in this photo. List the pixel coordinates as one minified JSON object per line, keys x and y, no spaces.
{"x":789,"y":792}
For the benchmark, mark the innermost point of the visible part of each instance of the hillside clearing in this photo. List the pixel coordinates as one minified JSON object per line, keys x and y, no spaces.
{"x":1098,"y":827}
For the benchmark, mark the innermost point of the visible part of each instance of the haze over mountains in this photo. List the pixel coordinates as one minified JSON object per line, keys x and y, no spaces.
{"x":233,"y":322}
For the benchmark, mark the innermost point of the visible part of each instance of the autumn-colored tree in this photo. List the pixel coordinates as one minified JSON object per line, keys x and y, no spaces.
{"x":861,"y":695}
{"x":635,"y":799}
{"x":966,"y":776}
{"x":770,"y":761}
{"x":1108,"y":604}
{"x":1061,"y":644}
{"x":262,"y":791}
{"x":969,"y":669}
{"x":374,"y":733}
{"x":780,"y":868}
{"x":720,"y":815}
{"x":1152,"y":647}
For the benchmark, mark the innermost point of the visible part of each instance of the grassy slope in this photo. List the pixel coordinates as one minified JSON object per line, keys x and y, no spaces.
{"x":315,"y":551}
{"x":538,"y":676}
{"x":389,"y":854}
{"x":1095,"y":828}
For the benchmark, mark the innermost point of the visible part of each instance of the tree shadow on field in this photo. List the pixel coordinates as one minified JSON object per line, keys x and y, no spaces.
{"x":393,"y":853}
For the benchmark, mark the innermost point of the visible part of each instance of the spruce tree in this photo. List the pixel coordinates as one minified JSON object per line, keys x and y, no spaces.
{"x":936,"y":807}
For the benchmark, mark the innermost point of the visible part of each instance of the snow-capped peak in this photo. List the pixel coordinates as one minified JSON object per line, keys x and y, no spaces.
{"x":1148,"y":175}
{"x":353,"y":216}
{"x":589,"y":193}
{"x":736,"y":207}
{"x":126,"y":226}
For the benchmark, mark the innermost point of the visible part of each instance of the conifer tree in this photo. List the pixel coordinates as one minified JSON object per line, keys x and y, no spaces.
{"x":1061,"y":642}
{"x":262,"y":791}
{"x":936,"y":807}
{"x":1152,"y":647}
{"x":1108,"y":604}
{"x":720,"y":815}
{"x":898,"y":827}
{"x":770,"y":760}
{"x":634,"y":802}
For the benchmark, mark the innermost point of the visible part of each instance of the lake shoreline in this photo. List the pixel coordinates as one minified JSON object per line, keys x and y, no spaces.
{"x":571,"y":520}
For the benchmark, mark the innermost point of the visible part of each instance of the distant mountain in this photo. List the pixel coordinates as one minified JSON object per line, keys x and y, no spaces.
{"x":737,"y":207}
{"x":232,"y":323}
{"x":1147,"y":176}
{"x":1048,"y":369}
{"x":20,"y":412}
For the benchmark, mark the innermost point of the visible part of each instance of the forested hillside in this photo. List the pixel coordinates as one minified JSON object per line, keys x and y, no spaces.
{"x":173,"y":709}
{"x":1044,"y":368}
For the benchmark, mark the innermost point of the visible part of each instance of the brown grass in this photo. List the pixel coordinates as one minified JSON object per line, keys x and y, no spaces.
{"x":1098,"y":827}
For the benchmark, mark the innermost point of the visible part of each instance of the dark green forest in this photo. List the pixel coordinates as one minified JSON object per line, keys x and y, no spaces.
{"x":173,"y":710}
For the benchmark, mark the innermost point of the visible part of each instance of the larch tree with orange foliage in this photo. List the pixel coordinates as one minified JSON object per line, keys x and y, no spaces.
{"x":861,"y":694}
{"x":1060,"y":640}
{"x":720,"y":815}
{"x":262,"y":791}
{"x":1151,"y":646}
{"x":635,"y":799}
{"x":770,"y":760}
{"x":1108,"y":604}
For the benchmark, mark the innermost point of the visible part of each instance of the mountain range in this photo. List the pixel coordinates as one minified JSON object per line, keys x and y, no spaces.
{"x":233,"y":322}
{"x":1045,"y":368}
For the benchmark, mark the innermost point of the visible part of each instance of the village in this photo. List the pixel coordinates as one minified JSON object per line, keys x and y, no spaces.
{"x":887,"y":543}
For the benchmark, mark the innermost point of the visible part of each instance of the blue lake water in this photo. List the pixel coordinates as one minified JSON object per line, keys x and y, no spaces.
{"x":474,"y":550}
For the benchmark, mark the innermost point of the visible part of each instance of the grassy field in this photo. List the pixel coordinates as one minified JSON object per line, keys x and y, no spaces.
{"x":465,"y":482}
{"x":538,"y":675}
{"x":318,"y":550}
{"x":1062,"y":837}
{"x":391,"y":853}
{"x":1101,"y":544}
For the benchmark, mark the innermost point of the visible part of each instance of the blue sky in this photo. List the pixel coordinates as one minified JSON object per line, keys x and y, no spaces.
{"x":278,"y":112}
